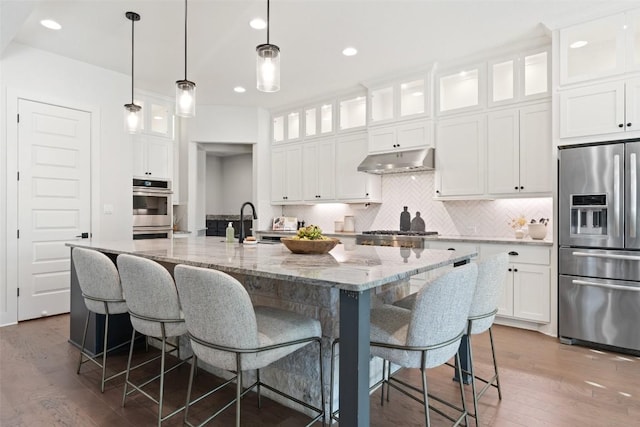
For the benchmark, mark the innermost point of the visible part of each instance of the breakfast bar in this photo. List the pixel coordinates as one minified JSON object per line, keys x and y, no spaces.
{"x":338,"y":288}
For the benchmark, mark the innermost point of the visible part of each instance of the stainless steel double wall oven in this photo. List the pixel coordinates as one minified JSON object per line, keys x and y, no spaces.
{"x":152,"y":209}
{"x":599,"y":254}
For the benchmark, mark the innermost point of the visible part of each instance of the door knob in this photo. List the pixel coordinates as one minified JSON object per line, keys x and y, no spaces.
{"x":83,"y":235}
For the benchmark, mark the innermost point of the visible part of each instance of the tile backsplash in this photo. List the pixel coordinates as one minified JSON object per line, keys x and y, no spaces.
{"x":483,"y":218}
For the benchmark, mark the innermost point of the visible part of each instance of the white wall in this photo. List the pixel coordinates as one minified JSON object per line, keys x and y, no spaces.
{"x":237,"y":182}
{"x":42,"y":76}
{"x":218,"y":123}
{"x":213,"y":186}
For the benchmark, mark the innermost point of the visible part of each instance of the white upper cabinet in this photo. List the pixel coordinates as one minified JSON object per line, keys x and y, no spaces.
{"x":318,"y":120}
{"x":406,"y":135}
{"x":286,"y":174}
{"x":352,"y":185}
{"x":157,"y":115}
{"x":460,"y":156}
{"x":152,"y":157}
{"x":462,"y":90}
{"x":293,"y":125}
{"x":278,"y":128}
{"x":318,"y":170}
{"x":603,"y":47}
{"x":601,"y":109}
{"x":352,"y":112}
{"x":519,"y":78}
{"x":519,"y":151}
{"x":287,"y":126}
{"x":399,"y":99}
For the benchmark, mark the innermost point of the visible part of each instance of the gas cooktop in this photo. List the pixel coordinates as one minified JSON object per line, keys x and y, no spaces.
{"x":400,"y":233}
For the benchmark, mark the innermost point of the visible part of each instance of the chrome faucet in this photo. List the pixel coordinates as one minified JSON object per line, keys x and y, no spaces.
{"x":253,"y":209}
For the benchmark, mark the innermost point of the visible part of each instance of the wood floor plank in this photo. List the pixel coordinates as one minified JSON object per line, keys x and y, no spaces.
{"x":545,"y":383}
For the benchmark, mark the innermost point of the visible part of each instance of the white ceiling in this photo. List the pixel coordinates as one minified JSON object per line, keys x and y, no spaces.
{"x":391,"y":36}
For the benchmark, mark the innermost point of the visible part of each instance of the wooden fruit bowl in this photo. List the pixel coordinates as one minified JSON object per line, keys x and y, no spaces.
{"x":316,"y":247}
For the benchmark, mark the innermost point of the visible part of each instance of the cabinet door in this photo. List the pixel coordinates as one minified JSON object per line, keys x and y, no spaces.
{"x":502,"y":81}
{"x":460,"y":156}
{"x":139,"y":159}
{"x":535,"y":149}
{"x":592,"y":110}
{"x":531,"y":292}
{"x":592,"y":50}
{"x":350,"y":151}
{"x":326,"y":161}
{"x":382,"y":139}
{"x":278,"y":191}
{"x":413,"y":135}
{"x":505,"y":301}
{"x":310,"y":168}
{"x":158,"y":153}
{"x":632,"y":97}
{"x":503,"y":152}
{"x":293,"y":175}
{"x":461,"y":91}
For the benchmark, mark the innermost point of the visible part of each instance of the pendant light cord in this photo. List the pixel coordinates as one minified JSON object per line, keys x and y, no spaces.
{"x":268,"y":23}
{"x":185,"y":39}
{"x":132,"y":58}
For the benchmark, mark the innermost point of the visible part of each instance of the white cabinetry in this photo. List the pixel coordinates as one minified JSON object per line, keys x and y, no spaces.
{"x":318,"y":120}
{"x":286,"y":170}
{"x":600,"y":109}
{"x":602,"y":47}
{"x":407,"y":135}
{"x":519,"y":78}
{"x":460,"y":156}
{"x":399,"y":99}
{"x":519,"y":151}
{"x":352,"y":112}
{"x":526,"y":294}
{"x":152,"y":157}
{"x":461,"y":90}
{"x":352,"y":185}
{"x":318,"y":170}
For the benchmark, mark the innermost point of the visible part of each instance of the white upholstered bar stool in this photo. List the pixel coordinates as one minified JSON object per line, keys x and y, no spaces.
{"x":100,"y":285}
{"x":228,"y":332}
{"x":426,"y":336}
{"x":152,"y":300}
{"x":492,"y":274}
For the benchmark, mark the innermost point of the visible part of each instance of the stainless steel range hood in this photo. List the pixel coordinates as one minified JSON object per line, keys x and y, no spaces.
{"x":399,"y":162}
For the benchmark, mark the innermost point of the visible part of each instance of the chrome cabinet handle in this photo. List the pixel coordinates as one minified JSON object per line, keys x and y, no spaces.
{"x":610,"y":256}
{"x":602,"y":285}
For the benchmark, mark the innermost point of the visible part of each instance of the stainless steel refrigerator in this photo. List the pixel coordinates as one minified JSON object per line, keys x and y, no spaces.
{"x":599,"y":254}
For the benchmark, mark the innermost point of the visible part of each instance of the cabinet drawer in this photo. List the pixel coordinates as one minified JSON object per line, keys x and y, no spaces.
{"x":525,"y":254}
{"x":456,"y":246}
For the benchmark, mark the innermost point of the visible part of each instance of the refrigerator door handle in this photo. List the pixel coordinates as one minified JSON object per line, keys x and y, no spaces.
{"x":616,"y":195}
{"x":633,"y":196}
{"x":602,"y":285}
{"x":610,"y":256}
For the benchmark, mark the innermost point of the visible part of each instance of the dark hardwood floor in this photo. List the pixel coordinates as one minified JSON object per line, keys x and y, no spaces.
{"x":544,"y":384}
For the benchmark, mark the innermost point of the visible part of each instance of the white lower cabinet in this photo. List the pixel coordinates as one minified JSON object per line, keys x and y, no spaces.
{"x":526,"y":293}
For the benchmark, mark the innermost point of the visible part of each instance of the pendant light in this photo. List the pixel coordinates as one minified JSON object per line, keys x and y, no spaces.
{"x":132,"y":112}
{"x":185,"y":89}
{"x":268,"y":64}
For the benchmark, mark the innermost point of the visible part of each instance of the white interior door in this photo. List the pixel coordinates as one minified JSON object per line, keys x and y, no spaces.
{"x":54,"y":202}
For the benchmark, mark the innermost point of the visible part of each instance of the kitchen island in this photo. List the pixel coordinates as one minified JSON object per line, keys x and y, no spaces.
{"x":337,"y":288}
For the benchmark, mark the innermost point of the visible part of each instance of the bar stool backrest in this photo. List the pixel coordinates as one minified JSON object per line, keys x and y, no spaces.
{"x":99,"y":281}
{"x":492,"y":274}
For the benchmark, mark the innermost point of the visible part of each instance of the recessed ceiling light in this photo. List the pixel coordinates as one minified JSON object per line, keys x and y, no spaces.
{"x":239,"y":89}
{"x":158,"y":117}
{"x":578,"y":44}
{"x":349,"y":51}
{"x":258,"y":24}
{"x":50,"y":24}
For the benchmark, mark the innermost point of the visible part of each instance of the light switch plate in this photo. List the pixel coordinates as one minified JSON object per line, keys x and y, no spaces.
{"x":107,"y":209}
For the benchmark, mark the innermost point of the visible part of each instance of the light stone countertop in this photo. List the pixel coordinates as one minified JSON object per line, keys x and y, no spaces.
{"x":470,"y":239}
{"x":357,"y":269}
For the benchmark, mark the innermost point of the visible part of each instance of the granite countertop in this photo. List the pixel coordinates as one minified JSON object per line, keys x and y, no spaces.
{"x":357,"y":269}
{"x":470,"y":239}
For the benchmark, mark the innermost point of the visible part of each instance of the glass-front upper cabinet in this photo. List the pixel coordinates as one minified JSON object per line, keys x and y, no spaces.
{"x":594,"y":49}
{"x":318,"y":120}
{"x":278,"y":128}
{"x":353,"y":112}
{"x":293,"y":125}
{"x":397,"y":100}
{"x":157,"y":115}
{"x":460,"y":91}
{"x":519,"y":78}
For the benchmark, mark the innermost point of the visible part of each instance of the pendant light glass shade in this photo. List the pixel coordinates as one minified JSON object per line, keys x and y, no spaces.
{"x":132,"y":112}
{"x":268,"y":63}
{"x":185,"y":98}
{"x":268,"y":68}
{"x":132,"y":118}
{"x":185,"y":89}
